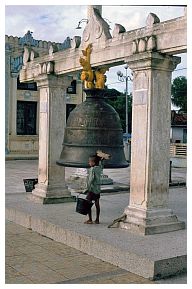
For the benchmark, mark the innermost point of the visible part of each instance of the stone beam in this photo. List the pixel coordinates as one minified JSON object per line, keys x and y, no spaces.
{"x":168,"y":37}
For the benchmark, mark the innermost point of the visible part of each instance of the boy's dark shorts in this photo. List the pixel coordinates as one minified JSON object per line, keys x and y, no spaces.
{"x":92,"y":197}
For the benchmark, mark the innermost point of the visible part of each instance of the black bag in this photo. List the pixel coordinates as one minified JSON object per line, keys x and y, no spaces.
{"x":30,"y":184}
{"x":83,"y":206}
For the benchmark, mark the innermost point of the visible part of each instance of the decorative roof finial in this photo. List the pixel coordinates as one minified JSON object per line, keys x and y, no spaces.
{"x":90,"y":10}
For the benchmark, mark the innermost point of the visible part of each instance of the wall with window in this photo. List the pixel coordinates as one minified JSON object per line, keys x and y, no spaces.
{"x":178,"y":134}
{"x":22,"y":100}
{"x":24,"y":122}
{"x":26,"y":117}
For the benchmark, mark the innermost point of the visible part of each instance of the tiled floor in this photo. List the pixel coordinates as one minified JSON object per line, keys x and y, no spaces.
{"x":32,"y":258}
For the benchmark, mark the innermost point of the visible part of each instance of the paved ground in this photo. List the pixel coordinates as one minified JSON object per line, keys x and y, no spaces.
{"x":32,"y":258}
{"x":29,"y":169}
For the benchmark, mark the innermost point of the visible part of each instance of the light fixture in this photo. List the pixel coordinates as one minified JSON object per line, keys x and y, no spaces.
{"x":86,"y":21}
{"x":81,"y":21}
{"x":119,"y":73}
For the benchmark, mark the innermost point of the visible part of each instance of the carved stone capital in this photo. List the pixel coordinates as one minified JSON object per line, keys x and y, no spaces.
{"x":152,"y":60}
{"x":52,"y":81}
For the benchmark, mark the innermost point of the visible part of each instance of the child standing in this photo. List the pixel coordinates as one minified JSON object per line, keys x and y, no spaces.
{"x":94,"y":183}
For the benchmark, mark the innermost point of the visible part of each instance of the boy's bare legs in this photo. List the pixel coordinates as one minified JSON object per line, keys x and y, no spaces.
{"x":97,"y":205}
{"x":89,"y":221}
{"x":90,"y":218}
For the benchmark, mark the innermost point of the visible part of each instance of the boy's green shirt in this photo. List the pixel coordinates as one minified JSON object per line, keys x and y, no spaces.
{"x":94,"y":179}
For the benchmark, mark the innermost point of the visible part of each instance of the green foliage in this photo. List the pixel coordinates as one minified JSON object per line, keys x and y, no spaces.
{"x":179,"y":92}
{"x":119,"y":104}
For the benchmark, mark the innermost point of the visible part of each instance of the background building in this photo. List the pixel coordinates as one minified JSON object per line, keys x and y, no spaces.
{"x":22,"y":99}
{"x":178,"y":127}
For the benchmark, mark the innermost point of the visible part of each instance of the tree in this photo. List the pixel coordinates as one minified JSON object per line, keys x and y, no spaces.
{"x":119,"y":103}
{"x":179,"y":93}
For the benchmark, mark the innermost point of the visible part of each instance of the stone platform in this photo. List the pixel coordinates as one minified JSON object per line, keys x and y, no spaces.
{"x":146,"y":256}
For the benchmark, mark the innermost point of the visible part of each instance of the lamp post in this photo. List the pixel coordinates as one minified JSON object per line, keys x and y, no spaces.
{"x":125,"y":78}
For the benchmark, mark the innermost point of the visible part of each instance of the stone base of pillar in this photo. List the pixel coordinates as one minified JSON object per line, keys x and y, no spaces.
{"x":51,"y":200}
{"x":149,"y":222}
{"x":51,"y":194}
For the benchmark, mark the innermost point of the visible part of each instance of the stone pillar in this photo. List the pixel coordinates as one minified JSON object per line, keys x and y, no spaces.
{"x":51,"y":186}
{"x":13,"y":101}
{"x":7,"y":96}
{"x":148,"y":211}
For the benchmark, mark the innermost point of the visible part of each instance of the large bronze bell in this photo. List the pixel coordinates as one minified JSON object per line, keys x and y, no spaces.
{"x":93,"y":125}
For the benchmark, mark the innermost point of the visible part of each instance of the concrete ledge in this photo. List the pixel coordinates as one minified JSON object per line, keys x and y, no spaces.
{"x":163,"y":267}
{"x":18,"y":217}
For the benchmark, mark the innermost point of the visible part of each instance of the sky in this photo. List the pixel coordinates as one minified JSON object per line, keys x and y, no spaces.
{"x":56,"y":22}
